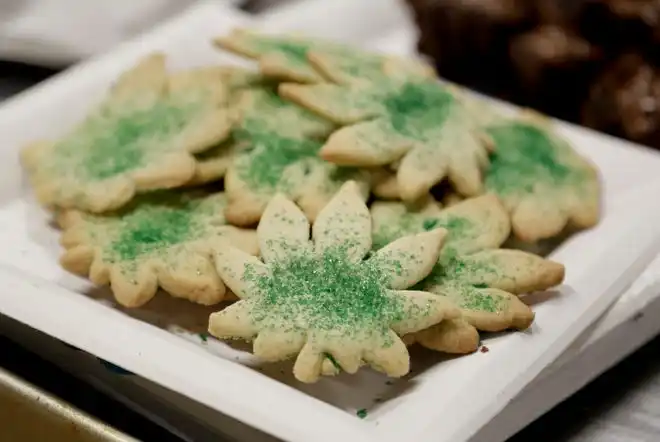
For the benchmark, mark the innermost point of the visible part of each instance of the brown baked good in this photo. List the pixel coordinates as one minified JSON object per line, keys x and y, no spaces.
{"x":592,"y":62}
{"x":625,"y":100}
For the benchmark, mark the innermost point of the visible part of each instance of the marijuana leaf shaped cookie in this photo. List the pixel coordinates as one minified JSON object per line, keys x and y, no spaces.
{"x":260,"y":110}
{"x":279,"y":153}
{"x":140,"y":138}
{"x":163,"y":238}
{"x":321,"y":297}
{"x":472,"y":271}
{"x":307,"y":60}
{"x":281,"y":57}
{"x":544,"y":184}
{"x":415,"y":120}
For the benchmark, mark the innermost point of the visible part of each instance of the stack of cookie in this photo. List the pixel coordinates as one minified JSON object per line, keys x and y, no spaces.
{"x":162,"y":185}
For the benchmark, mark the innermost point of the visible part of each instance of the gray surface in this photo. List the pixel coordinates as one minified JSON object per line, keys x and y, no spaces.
{"x":622,"y":405}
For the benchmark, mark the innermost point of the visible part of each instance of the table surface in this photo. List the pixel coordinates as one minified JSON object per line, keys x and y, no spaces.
{"x":621,"y":405}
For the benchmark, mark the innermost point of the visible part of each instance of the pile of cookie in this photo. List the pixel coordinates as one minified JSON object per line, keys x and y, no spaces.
{"x":163,"y":184}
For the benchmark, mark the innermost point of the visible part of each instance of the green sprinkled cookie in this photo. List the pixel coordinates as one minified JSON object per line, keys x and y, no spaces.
{"x":279,"y":154}
{"x":140,"y":138}
{"x":472,"y":271}
{"x":259,"y":110}
{"x":416,"y":121}
{"x":281,"y":57}
{"x":544,"y":184}
{"x":542,"y":181}
{"x":347,"y":65}
{"x":161,"y":239}
{"x":320,"y":299}
{"x":307,"y":60}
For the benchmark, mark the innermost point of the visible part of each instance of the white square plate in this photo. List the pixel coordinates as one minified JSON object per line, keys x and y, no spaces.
{"x":446,"y":400}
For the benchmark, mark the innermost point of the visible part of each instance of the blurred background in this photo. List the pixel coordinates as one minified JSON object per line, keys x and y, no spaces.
{"x":592,"y":62}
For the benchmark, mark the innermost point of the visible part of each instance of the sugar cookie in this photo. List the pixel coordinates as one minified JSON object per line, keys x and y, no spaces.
{"x":281,"y":57}
{"x":259,"y":110}
{"x":472,"y":271}
{"x":320,"y":297}
{"x":140,"y":138}
{"x":417,"y":121}
{"x":544,"y":184}
{"x":163,"y":238}
{"x":306,"y":60}
{"x":279,"y":153}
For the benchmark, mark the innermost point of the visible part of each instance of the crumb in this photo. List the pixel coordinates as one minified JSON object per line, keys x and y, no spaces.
{"x":362,"y":413}
{"x":484,"y":349}
{"x":378,"y":400}
{"x":203,"y":337}
{"x":389,"y":383}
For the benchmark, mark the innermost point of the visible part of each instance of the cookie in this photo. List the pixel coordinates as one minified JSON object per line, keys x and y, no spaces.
{"x":213,"y":163}
{"x":415,"y":120}
{"x":321,"y":297}
{"x":472,"y":271}
{"x":346,"y":65}
{"x":285,"y":57}
{"x":255,"y":104}
{"x":385,"y":187}
{"x":545,"y":185}
{"x":279,"y":154}
{"x":281,"y":57}
{"x":161,"y":239}
{"x":140,"y":138}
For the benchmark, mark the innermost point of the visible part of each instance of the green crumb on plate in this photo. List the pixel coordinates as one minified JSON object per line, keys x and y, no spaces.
{"x":204,"y":337}
{"x":362,"y":413}
{"x":332,"y":360}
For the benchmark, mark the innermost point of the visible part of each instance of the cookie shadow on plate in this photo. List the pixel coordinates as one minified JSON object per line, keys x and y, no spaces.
{"x":422,"y":359}
{"x":163,"y":311}
{"x":543,"y":247}
{"x":365,"y":389}
{"x":536,"y":298}
{"x":41,"y":227}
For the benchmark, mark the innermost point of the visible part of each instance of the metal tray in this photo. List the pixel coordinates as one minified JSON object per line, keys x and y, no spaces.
{"x":30,"y":414}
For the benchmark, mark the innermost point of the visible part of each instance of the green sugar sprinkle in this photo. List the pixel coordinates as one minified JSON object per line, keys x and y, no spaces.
{"x":204,"y":337}
{"x":161,"y":222}
{"x":416,"y":109}
{"x":362,"y":413}
{"x":430,"y":224}
{"x":332,"y":360}
{"x":296,"y":52}
{"x":326,"y":292}
{"x":452,"y":268}
{"x":107,"y":146}
{"x":525,"y":155}
{"x":269,"y":112}
{"x":459,"y":228}
{"x":451,"y":273}
{"x":270,"y":154}
{"x":475,"y":300}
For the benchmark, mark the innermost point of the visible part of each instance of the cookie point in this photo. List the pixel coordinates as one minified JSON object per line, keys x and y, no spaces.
{"x":350,"y":186}
{"x":437,"y":235}
{"x":279,"y":198}
{"x":556,"y":273}
{"x":289,"y":90}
